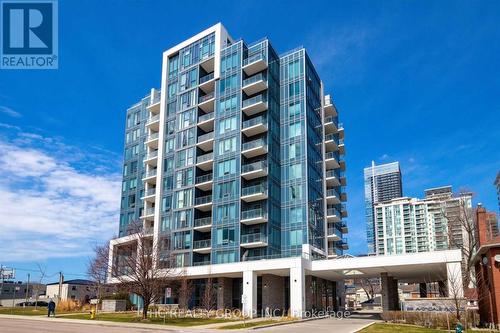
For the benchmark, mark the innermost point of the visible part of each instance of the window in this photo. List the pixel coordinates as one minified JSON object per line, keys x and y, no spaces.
{"x":183,"y":198}
{"x":188,"y":99}
{"x":227,"y":124}
{"x":294,"y":89}
{"x":225,"y":212}
{"x":227,"y":145}
{"x":172,"y":89}
{"x":182,"y":240}
{"x":188,"y":79}
{"x":228,"y":104}
{"x":296,"y":215}
{"x":225,"y":257}
{"x":185,"y":157}
{"x":186,"y":138}
{"x":186,"y":119}
{"x":295,"y":171}
{"x":169,"y":145}
{"x":226,"y":190}
{"x":295,"y":192}
{"x":294,"y":129}
{"x":184,"y":178}
{"x":226,"y":168}
{"x":295,"y":237}
{"x":182,"y":219}
{"x":294,"y":109}
{"x":230,"y":61}
{"x":294,"y":69}
{"x":225,"y":236}
{"x":294,"y":150}
{"x":231,"y":82}
{"x":173,"y":66}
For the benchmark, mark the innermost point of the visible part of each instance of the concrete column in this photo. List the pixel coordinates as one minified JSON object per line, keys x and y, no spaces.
{"x":454,"y":276}
{"x":390,"y":296}
{"x":250,"y":293}
{"x":297,"y":297}
{"x":224,"y":293}
{"x":422,"y":287}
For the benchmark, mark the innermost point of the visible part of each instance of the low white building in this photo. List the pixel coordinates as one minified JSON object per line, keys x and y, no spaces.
{"x":78,"y":290}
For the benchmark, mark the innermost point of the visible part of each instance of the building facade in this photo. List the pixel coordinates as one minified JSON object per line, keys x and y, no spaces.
{"x":411,"y":225}
{"x":237,"y":158}
{"x":382,"y":183}
{"x":497,"y":185}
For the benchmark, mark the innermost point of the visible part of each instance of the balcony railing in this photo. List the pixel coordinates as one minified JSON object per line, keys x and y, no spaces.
{"x":149,"y":211}
{"x":256,"y":189}
{"x":253,"y":214}
{"x":332,"y":154}
{"x":333,"y":232}
{"x":205,"y":157}
{"x":332,"y":137}
{"x":255,"y":100}
{"x":253,"y":238}
{"x":254,"y":58}
{"x":201,"y":244}
{"x":203,"y":200}
{"x":204,"y":178}
{"x":150,"y":155}
{"x":206,"y":78}
{"x":201,"y":263}
{"x":153,"y":136}
{"x":206,"y":137}
{"x":253,"y":79}
{"x":205,"y":117}
{"x":254,"y":121}
{"x":150,"y":173}
{"x":206,"y":97}
{"x":156,"y":97}
{"x":332,"y":212}
{"x":204,"y":221}
{"x":332,"y":193}
{"x":333,"y":120}
{"x":254,"y":144}
{"x":332,"y":173}
{"x":153,"y":119}
{"x":260,"y":165}
{"x":148,"y":230}
{"x":151,"y":191}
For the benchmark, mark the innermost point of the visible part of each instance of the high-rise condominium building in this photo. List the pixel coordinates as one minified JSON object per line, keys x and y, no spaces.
{"x":410,"y":225}
{"x":237,"y":157}
{"x":382,"y":183}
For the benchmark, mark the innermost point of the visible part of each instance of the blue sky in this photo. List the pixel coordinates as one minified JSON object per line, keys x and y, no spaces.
{"x":415,"y":81}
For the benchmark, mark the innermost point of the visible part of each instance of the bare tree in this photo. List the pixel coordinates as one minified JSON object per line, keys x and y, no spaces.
{"x":143,"y":266}
{"x":97,"y":267}
{"x":186,"y":289}
{"x":462,"y":233}
{"x":368,"y":285}
{"x":42,"y":272}
{"x":208,"y":300}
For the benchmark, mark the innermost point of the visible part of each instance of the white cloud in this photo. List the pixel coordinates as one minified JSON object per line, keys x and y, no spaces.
{"x":8,"y":111}
{"x":54,"y":204}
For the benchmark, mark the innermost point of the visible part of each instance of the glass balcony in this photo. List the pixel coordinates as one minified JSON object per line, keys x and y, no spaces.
{"x":332,"y":137}
{"x":254,"y":148}
{"x":255,"y":126}
{"x":205,"y":158}
{"x":203,"y":222}
{"x":153,"y":119}
{"x":206,"y":117}
{"x":332,"y":212}
{"x":202,"y":263}
{"x":149,"y":192}
{"x":254,"y":193}
{"x":204,"y":178}
{"x":206,"y":78}
{"x":333,"y":234}
{"x":206,"y":137}
{"x":332,"y":160}
{"x":205,"y":98}
{"x":253,"y":240}
{"x":255,"y":63}
{"x":202,"y":244}
{"x":332,"y":196}
{"x":149,"y":174}
{"x":203,"y":200}
{"x":255,"y":84}
{"x":253,"y":216}
{"x":254,"y":105}
{"x":148,"y":212}
{"x":254,"y":170}
{"x":151,"y":137}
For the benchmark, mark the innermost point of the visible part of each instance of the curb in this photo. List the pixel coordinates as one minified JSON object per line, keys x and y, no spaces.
{"x":362,"y":328}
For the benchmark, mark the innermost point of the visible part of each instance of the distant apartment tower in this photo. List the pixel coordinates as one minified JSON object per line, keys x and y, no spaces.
{"x":239,"y":157}
{"x":382,"y":183}
{"x":410,"y":225}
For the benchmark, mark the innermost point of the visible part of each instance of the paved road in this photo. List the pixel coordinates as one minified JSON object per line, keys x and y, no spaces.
{"x":22,"y":325}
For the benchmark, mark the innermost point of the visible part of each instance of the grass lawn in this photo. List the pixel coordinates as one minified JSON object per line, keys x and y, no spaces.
{"x":396,"y":328}
{"x":27,"y":311}
{"x":251,"y":324}
{"x":133,"y":318}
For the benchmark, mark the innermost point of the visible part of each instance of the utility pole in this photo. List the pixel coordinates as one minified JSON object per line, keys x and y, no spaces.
{"x":61,"y":278}
{"x":27,"y":287}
